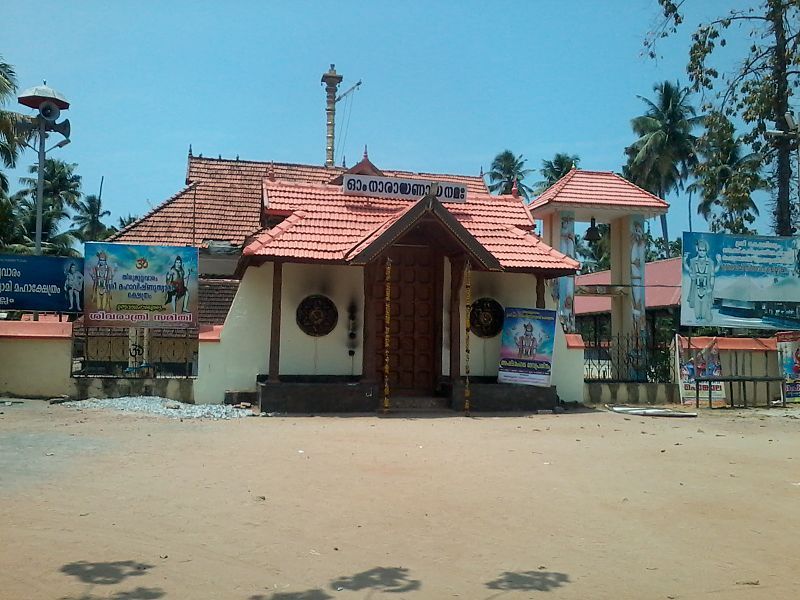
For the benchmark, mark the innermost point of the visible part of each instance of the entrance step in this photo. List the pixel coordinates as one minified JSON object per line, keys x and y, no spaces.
{"x":419,"y":403}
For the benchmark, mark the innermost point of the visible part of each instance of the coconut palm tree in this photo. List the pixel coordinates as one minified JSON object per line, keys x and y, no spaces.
{"x":123,"y":222}
{"x":555,"y":169}
{"x":8,"y":145}
{"x":11,"y":231}
{"x":726,"y":178}
{"x":507,"y":168}
{"x":88,"y":219}
{"x":661,"y":158}
{"x":62,"y":186}
{"x":55,"y":239}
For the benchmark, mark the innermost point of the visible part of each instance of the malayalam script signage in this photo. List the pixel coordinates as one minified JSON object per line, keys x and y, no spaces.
{"x":406,"y":189}
{"x":41,"y":283}
{"x":700,"y":363}
{"x":740,"y":281}
{"x":141,"y":286}
{"x":789,"y":355}
{"x":526,"y":349}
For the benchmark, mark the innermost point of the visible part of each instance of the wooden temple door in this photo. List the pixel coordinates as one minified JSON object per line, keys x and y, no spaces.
{"x":413,"y":360}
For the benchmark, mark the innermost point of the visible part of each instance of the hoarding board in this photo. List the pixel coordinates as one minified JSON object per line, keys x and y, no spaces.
{"x":140,"y":286}
{"x":789,"y":356}
{"x":741,"y":281}
{"x":41,"y":283}
{"x":699,"y":363}
{"x":526,"y":348}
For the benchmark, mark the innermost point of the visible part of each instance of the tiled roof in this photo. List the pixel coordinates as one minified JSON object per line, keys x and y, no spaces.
{"x":731,"y":343}
{"x":325,"y":224}
{"x":662,"y":280}
{"x":597,"y":188}
{"x":215,"y":299}
{"x":222,"y":200}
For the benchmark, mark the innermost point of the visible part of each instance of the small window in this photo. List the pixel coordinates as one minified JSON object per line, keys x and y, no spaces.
{"x":317,"y":315}
{"x":486,"y":317}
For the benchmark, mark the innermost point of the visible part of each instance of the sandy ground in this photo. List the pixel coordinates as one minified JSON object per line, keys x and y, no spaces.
{"x":101,"y":504}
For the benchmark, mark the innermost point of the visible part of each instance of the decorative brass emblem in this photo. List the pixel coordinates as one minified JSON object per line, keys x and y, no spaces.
{"x":317,"y":315}
{"x":486,"y":317}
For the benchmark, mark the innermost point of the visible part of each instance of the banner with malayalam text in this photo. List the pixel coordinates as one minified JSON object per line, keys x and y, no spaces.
{"x":746,"y":281}
{"x":704,"y":362}
{"x":41,"y":283}
{"x":140,"y":286}
{"x":526,"y":348}
{"x":789,"y":355}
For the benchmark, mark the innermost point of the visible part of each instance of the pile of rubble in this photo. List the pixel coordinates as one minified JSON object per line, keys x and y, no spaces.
{"x":163,"y":406}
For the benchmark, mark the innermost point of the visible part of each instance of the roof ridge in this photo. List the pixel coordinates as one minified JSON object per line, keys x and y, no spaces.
{"x":265,"y":163}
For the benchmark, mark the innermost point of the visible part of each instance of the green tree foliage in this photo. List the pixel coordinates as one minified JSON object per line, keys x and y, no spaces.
{"x":8,"y":145}
{"x":756,"y":86}
{"x":727,"y":176}
{"x":660,"y":160}
{"x":554,"y":169}
{"x":595,"y":256}
{"x":62,"y":186}
{"x":507,"y":168}
{"x":88,"y":219}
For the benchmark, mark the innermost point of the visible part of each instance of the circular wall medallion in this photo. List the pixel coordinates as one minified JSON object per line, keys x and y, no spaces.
{"x":486,"y":317}
{"x":317,"y":315}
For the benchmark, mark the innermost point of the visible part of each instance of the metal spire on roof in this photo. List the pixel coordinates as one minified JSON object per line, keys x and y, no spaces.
{"x":271,"y":171}
{"x":515,"y":189}
{"x":366,"y":156}
{"x":190,"y":149}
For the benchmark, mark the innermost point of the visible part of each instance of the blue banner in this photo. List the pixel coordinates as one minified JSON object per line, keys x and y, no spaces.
{"x":42,"y":283}
{"x":744,"y":281}
{"x":526,"y":348}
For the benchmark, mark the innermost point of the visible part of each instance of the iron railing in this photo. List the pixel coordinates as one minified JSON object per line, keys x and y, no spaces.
{"x":628,"y":358}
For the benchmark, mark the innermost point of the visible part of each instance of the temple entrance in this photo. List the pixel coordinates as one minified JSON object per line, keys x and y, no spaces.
{"x":414,"y":358}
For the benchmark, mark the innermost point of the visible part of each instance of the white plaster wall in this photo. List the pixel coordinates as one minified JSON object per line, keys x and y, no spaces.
{"x":35,"y":368}
{"x":302,"y":354}
{"x":517,"y":289}
{"x":243,"y":349}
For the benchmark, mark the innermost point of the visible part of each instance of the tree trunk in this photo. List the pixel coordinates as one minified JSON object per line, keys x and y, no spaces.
{"x":780,"y":104}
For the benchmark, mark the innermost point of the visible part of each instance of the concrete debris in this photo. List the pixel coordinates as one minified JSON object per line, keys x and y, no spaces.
{"x":162,"y":406}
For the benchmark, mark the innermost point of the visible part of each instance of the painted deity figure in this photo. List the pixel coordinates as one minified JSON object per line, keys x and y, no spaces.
{"x":102,"y":275}
{"x":528,"y":343}
{"x":73,"y":287}
{"x":178,"y":288}
{"x":702,"y":272}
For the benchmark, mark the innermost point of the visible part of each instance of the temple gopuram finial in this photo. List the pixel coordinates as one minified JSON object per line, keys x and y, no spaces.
{"x":366,"y":155}
{"x":271,"y":171}
{"x":515,"y":189}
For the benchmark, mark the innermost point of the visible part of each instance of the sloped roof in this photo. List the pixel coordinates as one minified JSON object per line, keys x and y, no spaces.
{"x":662,"y":280}
{"x":580,"y":188}
{"x":325,"y":224}
{"x":215,"y":298}
{"x":223,"y":200}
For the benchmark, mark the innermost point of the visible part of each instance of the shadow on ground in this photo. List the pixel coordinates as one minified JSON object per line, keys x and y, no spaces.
{"x":307,"y":595}
{"x":386,"y":579}
{"x":110,"y":573}
{"x":527,"y":581}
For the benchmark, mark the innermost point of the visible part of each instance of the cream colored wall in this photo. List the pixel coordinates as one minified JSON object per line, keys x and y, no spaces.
{"x":515,"y":289}
{"x":446,"y":318}
{"x":243,"y":349}
{"x":33,"y":368}
{"x":302,"y":354}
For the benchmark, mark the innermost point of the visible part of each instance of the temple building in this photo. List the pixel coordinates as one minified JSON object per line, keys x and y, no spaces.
{"x":302,"y":253}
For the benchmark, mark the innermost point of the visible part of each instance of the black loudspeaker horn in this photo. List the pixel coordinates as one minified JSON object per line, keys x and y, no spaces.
{"x":62,"y":128}
{"x":49,"y":111}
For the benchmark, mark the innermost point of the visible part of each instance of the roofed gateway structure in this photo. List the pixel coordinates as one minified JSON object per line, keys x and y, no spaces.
{"x":312,"y":247}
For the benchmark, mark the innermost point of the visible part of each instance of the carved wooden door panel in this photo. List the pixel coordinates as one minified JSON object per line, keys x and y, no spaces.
{"x":413,"y":329}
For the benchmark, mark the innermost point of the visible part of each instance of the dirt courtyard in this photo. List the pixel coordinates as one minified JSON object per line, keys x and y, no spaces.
{"x":594,"y":505}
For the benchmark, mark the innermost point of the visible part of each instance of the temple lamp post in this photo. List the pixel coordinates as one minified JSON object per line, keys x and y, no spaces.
{"x":793,"y":133}
{"x":49,"y":103}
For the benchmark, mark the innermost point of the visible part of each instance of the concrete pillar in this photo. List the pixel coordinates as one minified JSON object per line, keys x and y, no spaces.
{"x":566,"y":285}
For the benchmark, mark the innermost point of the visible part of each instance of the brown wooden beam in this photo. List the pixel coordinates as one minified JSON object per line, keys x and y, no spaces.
{"x":539,"y":291}
{"x":275,"y":329}
{"x":457,"y":265}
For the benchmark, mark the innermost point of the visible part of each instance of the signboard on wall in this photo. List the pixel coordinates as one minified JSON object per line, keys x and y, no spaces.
{"x":703,"y":363}
{"x":740,"y":281}
{"x":140,"y":286}
{"x":404,"y":189}
{"x":789,"y":355}
{"x":41,"y":283}
{"x":526,"y":347}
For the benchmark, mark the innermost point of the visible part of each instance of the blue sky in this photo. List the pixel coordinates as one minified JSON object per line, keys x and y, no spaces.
{"x":446,"y":85}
